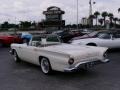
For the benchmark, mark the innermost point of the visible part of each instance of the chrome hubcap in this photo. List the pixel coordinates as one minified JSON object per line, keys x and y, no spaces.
{"x":45,"y":65}
{"x":15,"y":56}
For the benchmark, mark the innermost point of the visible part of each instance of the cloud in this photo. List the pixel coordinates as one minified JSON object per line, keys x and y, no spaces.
{"x":33,"y":9}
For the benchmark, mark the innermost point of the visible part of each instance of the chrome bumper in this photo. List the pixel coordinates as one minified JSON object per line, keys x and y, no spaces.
{"x":11,"y":52}
{"x":85,"y":65}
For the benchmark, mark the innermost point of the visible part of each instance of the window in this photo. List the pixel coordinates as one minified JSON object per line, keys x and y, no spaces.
{"x":52,"y":39}
{"x":116,"y":36}
{"x":104,"y":36}
{"x":36,"y":39}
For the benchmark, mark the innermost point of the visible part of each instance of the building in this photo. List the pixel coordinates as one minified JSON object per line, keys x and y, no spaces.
{"x":53,"y":19}
{"x":85,"y":21}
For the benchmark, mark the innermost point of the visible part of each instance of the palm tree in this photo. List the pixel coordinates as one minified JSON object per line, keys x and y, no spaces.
{"x":96,"y":14}
{"x":111,"y":16}
{"x":104,"y":15}
{"x":100,"y":21}
{"x":115,"y":20}
{"x":119,"y":21}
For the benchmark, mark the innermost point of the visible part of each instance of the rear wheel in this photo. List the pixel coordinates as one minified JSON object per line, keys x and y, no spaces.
{"x":16,"y":58}
{"x":45,"y":66}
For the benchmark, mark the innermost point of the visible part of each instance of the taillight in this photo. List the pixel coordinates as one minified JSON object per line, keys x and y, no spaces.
{"x":71,"y":61}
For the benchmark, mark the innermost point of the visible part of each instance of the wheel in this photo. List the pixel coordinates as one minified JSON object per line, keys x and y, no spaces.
{"x":45,"y":66}
{"x":16,"y":58}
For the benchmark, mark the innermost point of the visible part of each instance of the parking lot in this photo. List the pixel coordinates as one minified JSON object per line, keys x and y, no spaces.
{"x":25,"y":76}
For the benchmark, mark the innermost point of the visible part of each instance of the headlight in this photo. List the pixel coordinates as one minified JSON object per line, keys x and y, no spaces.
{"x":71,"y":61}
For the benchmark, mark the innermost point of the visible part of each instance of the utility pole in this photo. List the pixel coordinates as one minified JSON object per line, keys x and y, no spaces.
{"x":90,"y":8}
{"x":77,"y":15}
{"x":15,"y":31}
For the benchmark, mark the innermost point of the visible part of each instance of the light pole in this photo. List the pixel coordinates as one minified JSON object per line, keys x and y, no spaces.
{"x":77,"y":15}
{"x":90,"y":8}
{"x":15,"y":31}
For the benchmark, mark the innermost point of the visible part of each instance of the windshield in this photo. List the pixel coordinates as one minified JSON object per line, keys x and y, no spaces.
{"x":92,"y":34}
{"x":45,"y":41}
{"x":104,"y":36}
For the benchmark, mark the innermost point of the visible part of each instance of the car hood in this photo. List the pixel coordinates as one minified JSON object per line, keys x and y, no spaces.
{"x":6,"y":36}
{"x":77,"y":51}
{"x":81,"y":37}
{"x":87,"y":40}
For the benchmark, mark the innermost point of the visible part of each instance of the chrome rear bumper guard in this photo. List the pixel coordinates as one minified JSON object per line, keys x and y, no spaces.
{"x":85,"y":65}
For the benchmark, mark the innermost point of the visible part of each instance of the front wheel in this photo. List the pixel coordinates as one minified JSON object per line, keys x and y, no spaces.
{"x":16,"y":58}
{"x":45,"y":66}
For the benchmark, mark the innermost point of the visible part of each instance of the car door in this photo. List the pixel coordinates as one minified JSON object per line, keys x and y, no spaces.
{"x":116,"y":40}
{"x":105,"y":40}
{"x":29,"y":53}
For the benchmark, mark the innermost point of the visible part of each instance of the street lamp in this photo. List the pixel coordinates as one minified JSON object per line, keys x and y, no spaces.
{"x":77,"y":15}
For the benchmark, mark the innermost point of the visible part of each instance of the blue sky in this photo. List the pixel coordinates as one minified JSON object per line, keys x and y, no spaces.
{"x":16,"y":10}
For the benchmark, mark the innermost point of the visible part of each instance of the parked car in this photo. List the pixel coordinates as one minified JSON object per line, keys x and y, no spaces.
{"x":7,"y":39}
{"x":50,"y":54}
{"x":76,"y":33}
{"x":65,"y":35}
{"x":90,"y":35}
{"x":109,"y":39}
{"x":86,"y":31}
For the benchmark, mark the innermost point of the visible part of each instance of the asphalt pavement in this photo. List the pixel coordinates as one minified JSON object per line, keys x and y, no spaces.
{"x":25,"y":76}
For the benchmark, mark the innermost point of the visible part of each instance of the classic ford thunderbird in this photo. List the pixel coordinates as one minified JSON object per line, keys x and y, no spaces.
{"x":50,"y":54}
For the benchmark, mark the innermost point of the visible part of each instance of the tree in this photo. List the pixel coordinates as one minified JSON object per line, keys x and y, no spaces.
{"x":5,"y":25}
{"x":100,"y":21}
{"x":96,"y":14}
{"x":104,"y":15}
{"x":25,"y":24}
{"x":115,"y":20}
{"x":119,"y":21}
{"x":111,"y":16}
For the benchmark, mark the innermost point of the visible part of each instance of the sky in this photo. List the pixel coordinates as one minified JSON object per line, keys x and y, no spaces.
{"x":32,"y":10}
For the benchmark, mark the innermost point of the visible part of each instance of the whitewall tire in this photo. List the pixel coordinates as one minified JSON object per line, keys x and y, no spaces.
{"x":45,"y":66}
{"x":16,"y":58}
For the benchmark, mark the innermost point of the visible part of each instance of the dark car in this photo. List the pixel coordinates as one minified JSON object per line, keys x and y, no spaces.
{"x":90,"y":35}
{"x":65,"y":35}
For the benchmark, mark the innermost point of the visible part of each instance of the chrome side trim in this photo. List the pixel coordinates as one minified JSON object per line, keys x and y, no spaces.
{"x":71,"y":69}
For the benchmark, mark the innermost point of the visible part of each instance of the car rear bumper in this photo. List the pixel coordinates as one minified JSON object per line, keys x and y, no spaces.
{"x":85,"y":65}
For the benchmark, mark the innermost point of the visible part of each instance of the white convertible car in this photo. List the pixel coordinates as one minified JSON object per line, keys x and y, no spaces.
{"x":107,"y":39}
{"x":48,"y":52}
